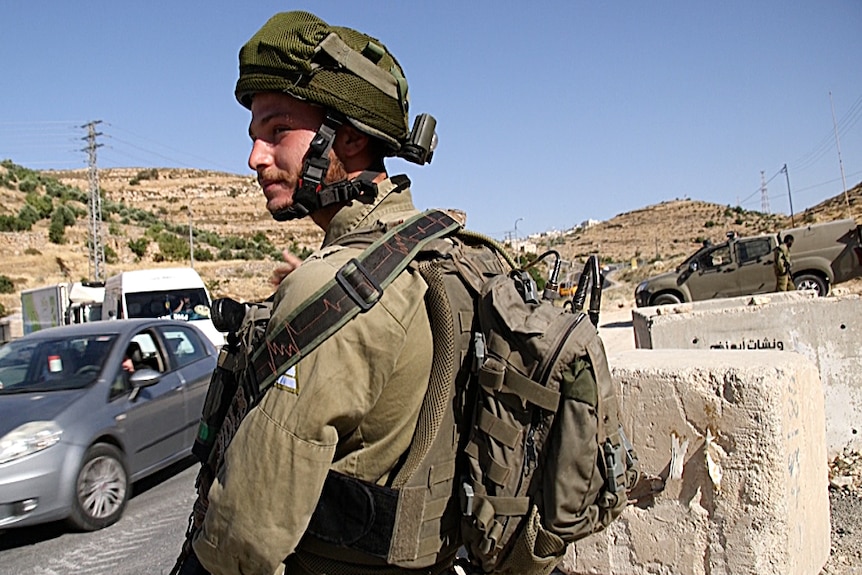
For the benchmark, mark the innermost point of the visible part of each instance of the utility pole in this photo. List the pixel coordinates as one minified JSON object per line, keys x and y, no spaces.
{"x":191,"y":232}
{"x":764,"y":198}
{"x":840,"y":163}
{"x":789,"y":197}
{"x":191,"y":239}
{"x":97,"y":247}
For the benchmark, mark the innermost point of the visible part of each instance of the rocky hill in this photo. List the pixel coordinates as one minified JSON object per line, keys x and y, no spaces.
{"x":147,"y":214}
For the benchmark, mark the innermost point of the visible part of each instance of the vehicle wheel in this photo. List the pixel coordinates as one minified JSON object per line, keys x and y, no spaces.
{"x":665,"y":298}
{"x":101,"y":489}
{"x":811,"y":281}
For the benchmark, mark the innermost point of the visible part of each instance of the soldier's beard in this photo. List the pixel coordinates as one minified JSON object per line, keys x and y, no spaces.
{"x":336,"y":173}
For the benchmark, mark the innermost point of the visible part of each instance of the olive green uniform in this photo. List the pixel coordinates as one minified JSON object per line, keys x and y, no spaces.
{"x":350,"y":405}
{"x":781,"y":266}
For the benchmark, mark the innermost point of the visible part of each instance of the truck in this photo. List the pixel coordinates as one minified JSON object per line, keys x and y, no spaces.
{"x":61,"y":304}
{"x":171,"y":293}
{"x":822,"y":255}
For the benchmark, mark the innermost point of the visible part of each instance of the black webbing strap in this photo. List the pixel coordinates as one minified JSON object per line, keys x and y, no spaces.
{"x":357,"y":286}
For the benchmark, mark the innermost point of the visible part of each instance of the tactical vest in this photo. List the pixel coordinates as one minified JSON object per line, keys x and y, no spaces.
{"x":518,"y":449}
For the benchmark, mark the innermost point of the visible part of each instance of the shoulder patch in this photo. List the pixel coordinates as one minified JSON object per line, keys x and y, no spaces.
{"x":287,"y":381}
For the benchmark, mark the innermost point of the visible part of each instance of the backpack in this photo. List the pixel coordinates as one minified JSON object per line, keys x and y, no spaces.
{"x":518,"y":450}
{"x":547,"y":460}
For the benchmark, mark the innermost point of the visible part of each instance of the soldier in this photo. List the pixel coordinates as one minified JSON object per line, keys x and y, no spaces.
{"x":781,"y":265}
{"x":327,"y":104}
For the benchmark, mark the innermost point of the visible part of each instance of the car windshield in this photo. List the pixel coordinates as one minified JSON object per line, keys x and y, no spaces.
{"x":28,"y":365}
{"x":183,"y":304}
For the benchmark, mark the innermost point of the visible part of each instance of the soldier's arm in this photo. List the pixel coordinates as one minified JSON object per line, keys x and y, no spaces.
{"x":260,"y":505}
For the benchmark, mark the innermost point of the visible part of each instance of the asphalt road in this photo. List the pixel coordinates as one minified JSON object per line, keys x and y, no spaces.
{"x":145,"y":541}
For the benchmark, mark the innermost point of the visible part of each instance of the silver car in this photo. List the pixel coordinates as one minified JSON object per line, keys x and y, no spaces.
{"x":85,"y":410}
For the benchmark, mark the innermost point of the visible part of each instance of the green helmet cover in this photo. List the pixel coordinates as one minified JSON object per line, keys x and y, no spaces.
{"x":338,"y":68}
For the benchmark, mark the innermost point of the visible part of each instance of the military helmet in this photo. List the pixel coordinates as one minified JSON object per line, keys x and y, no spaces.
{"x":338,"y":68}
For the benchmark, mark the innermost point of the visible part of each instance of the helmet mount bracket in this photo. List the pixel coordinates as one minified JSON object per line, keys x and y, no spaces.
{"x":311,"y":192}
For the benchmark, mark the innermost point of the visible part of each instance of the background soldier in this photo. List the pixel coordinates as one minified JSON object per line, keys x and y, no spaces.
{"x":783,"y":281}
{"x":327,"y":105}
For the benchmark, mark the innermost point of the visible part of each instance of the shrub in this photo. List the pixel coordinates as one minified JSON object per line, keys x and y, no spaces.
{"x":57,"y":232}
{"x":172,"y":247}
{"x":151,"y":174}
{"x":139,"y":246}
{"x":6,"y":284}
{"x":3,"y":312}
{"x":12,"y":224}
{"x":41,"y":203}
{"x":110,"y":255}
{"x":28,"y":185}
{"x":28,"y":216}
{"x":66,"y":215}
{"x":203,"y":255}
{"x":709,"y":224}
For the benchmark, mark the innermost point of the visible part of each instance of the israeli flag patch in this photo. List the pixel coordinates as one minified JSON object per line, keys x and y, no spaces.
{"x":287,"y":381}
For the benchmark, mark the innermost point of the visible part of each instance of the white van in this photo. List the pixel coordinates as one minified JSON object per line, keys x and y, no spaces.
{"x":172,"y":293}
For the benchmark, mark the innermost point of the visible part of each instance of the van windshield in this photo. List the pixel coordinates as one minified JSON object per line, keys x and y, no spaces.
{"x":182,"y":304}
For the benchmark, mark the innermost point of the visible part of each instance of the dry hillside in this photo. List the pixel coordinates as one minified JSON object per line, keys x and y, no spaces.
{"x":658,"y":236}
{"x":142,"y":204}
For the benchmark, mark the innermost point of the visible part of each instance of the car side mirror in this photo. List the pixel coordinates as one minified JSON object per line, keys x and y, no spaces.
{"x":142,"y":378}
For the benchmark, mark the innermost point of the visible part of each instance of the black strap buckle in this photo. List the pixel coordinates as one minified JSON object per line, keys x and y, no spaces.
{"x":354,"y":278}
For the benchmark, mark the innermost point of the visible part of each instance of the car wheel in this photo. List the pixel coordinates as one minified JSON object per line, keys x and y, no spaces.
{"x":811,"y":281}
{"x":101,"y":489}
{"x":665,"y":298}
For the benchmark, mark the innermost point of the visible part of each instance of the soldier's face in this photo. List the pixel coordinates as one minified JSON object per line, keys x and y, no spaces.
{"x":281,"y":130}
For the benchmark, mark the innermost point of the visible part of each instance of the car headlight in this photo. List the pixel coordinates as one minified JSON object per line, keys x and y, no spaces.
{"x":641,"y":287}
{"x":27,"y":439}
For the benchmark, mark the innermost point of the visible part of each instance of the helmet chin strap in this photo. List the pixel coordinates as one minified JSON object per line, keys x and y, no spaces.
{"x":311,"y":193}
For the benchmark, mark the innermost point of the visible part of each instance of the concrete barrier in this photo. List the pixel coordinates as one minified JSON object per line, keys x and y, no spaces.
{"x":738,"y":438}
{"x":828,"y":331}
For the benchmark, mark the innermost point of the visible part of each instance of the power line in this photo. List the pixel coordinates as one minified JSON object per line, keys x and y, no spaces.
{"x":850,"y":118}
{"x":207,"y":161}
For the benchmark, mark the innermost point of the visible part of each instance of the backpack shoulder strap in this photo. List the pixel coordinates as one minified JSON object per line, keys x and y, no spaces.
{"x":356,"y":287}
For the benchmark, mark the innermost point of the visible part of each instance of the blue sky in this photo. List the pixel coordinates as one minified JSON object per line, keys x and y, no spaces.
{"x":549,"y":113}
